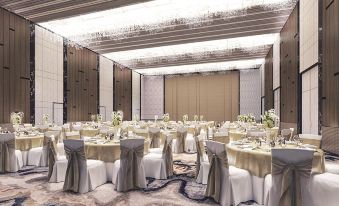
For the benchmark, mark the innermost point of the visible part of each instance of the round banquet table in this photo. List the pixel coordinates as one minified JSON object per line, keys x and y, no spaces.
{"x":235,"y":135}
{"x":258,"y":161}
{"x":27,"y":142}
{"x":108,"y":151}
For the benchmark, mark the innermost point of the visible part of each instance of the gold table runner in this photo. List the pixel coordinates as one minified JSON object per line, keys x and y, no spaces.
{"x":108,"y":152}
{"x":89,"y":132}
{"x":25,"y":143}
{"x":258,"y":162}
{"x":236,"y":135}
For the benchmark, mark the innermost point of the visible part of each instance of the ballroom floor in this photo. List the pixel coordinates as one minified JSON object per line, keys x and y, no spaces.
{"x":29,"y":187}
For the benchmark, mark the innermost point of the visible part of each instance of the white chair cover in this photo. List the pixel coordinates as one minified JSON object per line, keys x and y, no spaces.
{"x":291,"y":170}
{"x":131,"y":173}
{"x":10,"y":159}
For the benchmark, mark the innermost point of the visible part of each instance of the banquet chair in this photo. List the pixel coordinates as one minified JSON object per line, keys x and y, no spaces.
{"x":190,"y":146}
{"x":52,"y":154}
{"x":202,"y":167}
{"x":154,"y":135}
{"x":291,"y":172}
{"x":9,"y":127}
{"x":287,"y":134}
{"x":125,"y":175}
{"x":10,"y":159}
{"x":221,"y":137}
{"x":38,"y":156}
{"x":311,"y":139}
{"x":141,"y":132}
{"x":82,"y":175}
{"x":226,"y":184}
{"x":179,"y":142}
{"x":160,"y":166}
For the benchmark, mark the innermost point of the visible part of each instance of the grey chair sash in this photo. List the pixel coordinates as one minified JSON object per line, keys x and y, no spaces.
{"x":217,"y":162}
{"x":197,"y":130}
{"x":72,"y":178}
{"x":51,"y":154}
{"x":181,"y":136}
{"x":5,"y":147}
{"x":155,"y":139}
{"x":290,"y":194}
{"x":200,"y":151}
{"x":130,"y":159}
{"x":167,"y":154}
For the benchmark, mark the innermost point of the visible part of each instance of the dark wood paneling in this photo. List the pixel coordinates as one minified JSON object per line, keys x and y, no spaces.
{"x":123,"y":90}
{"x":330,"y":71}
{"x":14,"y":66}
{"x":330,"y":77}
{"x":82,"y":84}
{"x":269,"y":80}
{"x":289,"y":69}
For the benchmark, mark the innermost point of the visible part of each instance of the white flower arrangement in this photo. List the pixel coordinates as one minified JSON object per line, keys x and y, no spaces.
{"x":155,"y":118}
{"x":196,"y":118}
{"x":201,"y":118}
{"x":117,"y":118}
{"x":16,"y":117}
{"x":45,"y":118}
{"x":270,"y":119}
{"x":185,"y":118}
{"x":246,"y":118}
{"x":99,"y":118}
{"x":166,"y":117}
{"x":93,"y":117}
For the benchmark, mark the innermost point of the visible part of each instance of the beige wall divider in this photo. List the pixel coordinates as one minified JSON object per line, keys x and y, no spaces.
{"x":214,"y":96}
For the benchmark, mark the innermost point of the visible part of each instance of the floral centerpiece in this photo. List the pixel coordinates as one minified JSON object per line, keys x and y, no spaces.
{"x":201,"y":118}
{"x":99,"y":118}
{"x":246,"y":118}
{"x":45,"y":119}
{"x":196,"y":118}
{"x":155,"y":118}
{"x":185,"y":118}
{"x":166,"y":117}
{"x":117,"y":118}
{"x":93,"y":117}
{"x":16,"y":117}
{"x":270,"y":120}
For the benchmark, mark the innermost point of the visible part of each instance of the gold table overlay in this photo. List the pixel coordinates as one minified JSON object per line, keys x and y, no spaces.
{"x":25,"y":143}
{"x":258,"y":162}
{"x":108,"y":152}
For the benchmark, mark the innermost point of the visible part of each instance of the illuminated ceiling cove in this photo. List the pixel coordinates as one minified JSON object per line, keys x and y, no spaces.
{"x":167,"y":36}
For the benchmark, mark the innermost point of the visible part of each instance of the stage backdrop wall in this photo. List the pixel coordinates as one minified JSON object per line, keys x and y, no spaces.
{"x":216,"y":97}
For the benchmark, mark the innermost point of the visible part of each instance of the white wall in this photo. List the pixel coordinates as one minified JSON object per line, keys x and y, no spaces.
{"x":276,"y":64}
{"x":250,"y":92}
{"x":48,"y":75}
{"x":308,"y":57}
{"x":135,"y":94}
{"x":152,"y":96}
{"x":106,"y":88}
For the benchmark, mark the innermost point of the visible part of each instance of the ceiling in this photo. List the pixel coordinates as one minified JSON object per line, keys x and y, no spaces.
{"x":166,"y":36}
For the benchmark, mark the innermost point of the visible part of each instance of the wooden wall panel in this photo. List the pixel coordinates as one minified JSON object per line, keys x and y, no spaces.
{"x":123,"y":90}
{"x":216,"y":97}
{"x":289,"y":69}
{"x":269,"y":102}
{"x":82,"y":84}
{"x":330,"y":77}
{"x":14,"y":66}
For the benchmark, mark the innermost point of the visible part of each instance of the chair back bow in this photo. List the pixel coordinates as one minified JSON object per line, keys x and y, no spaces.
{"x":290,"y":193}
{"x":181,"y":136}
{"x":168,"y":156}
{"x":76,"y":159}
{"x":129,"y":167}
{"x":217,"y":162}
{"x":154,"y":135}
{"x":200,"y":152}
{"x":7,"y":146}
{"x":51,"y":154}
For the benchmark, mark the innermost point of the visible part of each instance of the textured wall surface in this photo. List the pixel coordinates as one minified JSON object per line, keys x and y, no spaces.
{"x":152,"y":96}
{"x":276,"y":63}
{"x":308,"y":33}
{"x":262,"y":79}
{"x":135,"y":94}
{"x":106,"y":87}
{"x":250,"y":92}
{"x":48,"y":75}
{"x":310,"y":101}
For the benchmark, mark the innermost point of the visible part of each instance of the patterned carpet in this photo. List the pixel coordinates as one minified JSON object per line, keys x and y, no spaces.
{"x":29,"y":187}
